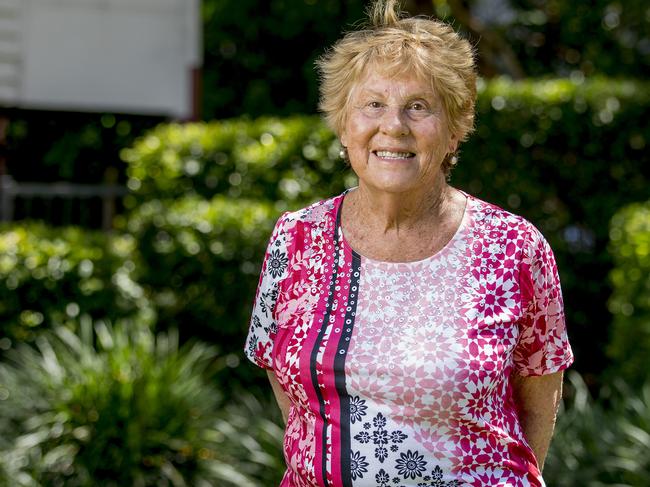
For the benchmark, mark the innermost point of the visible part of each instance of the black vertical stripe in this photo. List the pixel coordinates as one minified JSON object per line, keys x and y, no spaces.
{"x":314,"y":352}
{"x":339,"y":370}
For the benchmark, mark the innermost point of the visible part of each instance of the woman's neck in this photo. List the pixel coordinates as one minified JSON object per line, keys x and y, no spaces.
{"x":399,"y":212}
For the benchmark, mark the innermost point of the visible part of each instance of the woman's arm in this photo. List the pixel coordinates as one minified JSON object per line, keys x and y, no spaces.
{"x":537,"y":399}
{"x":280,"y":396}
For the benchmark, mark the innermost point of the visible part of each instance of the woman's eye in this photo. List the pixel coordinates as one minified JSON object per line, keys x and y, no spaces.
{"x":418,"y":106}
{"x":374,"y":104}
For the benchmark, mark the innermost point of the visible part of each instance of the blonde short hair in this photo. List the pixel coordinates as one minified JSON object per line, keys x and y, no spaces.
{"x":396,"y":45}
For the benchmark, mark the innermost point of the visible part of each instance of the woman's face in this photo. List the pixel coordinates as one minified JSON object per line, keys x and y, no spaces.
{"x":396,"y":133}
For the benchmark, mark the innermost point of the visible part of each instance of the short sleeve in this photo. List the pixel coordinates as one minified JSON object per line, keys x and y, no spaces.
{"x":543,"y":345}
{"x":263,"y":328}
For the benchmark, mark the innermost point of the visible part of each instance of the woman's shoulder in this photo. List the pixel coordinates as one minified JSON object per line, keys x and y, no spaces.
{"x":293,"y":227}
{"x":318,"y":213}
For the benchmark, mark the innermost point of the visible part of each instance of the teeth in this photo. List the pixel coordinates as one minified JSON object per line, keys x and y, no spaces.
{"x":394,"y":155}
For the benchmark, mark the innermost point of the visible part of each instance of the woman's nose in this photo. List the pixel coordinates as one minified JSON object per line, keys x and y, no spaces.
{"x":394,"y":121}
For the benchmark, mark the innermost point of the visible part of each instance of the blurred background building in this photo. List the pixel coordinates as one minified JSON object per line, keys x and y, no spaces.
{"x":131,"y":57}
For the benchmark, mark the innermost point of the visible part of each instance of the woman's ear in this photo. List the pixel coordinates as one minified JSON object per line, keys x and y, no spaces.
{"x":453,"y":144}
{"x":344,"y":138}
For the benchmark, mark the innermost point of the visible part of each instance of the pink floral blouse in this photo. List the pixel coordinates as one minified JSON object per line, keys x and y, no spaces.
{"x":399,"y":373}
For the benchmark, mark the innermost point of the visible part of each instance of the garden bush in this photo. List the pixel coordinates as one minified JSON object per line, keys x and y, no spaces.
{"x":564,"y":153}
{"x":601,"y":442}
{"x":290,"y":161}
{"x":630,"y":302}
{"x":118,"y":405}
{"x":252,"y":435}
{"x":54,"y":275}
{"x":200,"y":261}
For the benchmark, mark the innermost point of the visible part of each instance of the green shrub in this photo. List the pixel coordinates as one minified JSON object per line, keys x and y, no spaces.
{"x":252,"y":442}
{"x":291,"y":160}
{"x":200,"y":262}
{"x":53,"y":275}
{"x":601,"y":442}
{"x":134,"y":409}
{"x":630,"y":301}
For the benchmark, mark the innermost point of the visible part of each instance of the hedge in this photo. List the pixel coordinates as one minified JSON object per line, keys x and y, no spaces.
{"x":630,"y":302}
{"x":291,"y":160}
{"x":200,"y":262}
{"x":56,"y":275}
{"x":564,"y":154}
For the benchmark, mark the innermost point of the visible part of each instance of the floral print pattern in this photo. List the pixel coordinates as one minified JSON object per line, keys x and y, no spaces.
{"x":357,"y":409}
{"x":436,"y":480}
{"x":358,"y":465}
{"x":410,"y":464}
{"x":277,"y":263}
{"x":380,"y":437}
{"x":382,"y":478}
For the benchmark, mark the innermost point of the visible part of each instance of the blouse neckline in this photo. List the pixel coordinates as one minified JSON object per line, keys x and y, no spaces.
{"x":417,"y":263}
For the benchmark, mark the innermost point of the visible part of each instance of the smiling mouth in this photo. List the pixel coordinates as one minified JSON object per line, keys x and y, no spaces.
{"x":390,"y":155}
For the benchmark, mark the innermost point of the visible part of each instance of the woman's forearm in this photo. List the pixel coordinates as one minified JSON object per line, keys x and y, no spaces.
{"x":538,"y":399}
{"x":283,"y":401}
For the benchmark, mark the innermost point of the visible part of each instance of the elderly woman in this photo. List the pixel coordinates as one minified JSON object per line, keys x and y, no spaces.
{"x":413,"y":334}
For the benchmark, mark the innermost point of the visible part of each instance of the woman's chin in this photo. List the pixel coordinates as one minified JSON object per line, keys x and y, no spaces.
{"x":397,"y":179}
{"x":392,"y":184}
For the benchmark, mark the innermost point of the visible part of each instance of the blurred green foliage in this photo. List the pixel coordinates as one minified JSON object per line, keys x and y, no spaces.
{"x":118,"y":405}
{"x":201,"y":253}
{"x":75,"y":147}
{"x":253,"y":431}
{"x":630,"y":302}
{"x":54,"y":275}
{"x":287,"y":160}
{"x":600,"y":442}
{"x":265,"y":64}
{"x":600,"y":37}
{"x":259,"y":56}
{"x":200,"y":260}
